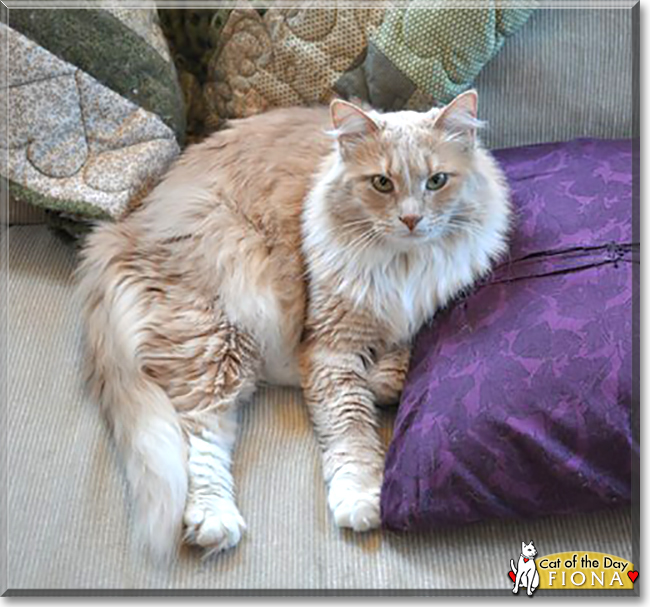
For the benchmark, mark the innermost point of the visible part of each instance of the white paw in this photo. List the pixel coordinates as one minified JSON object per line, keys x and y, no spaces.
{"x":358,"y":510}
{"x":215,"y":526}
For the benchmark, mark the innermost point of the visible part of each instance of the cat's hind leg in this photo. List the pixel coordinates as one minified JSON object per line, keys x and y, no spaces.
{"x":208,"y":367}
{"x":212,"y":519}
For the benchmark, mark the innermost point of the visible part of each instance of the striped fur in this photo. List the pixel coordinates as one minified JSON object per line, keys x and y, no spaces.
{"x":266,"y":254}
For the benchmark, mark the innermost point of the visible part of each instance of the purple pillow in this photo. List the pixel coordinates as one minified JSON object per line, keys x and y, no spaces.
{"x":518,"y":400}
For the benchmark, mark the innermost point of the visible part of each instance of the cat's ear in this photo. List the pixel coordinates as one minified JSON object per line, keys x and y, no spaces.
{"x":351,"y":124}
{"x":460,"y":117}
{"x":523,"y":545}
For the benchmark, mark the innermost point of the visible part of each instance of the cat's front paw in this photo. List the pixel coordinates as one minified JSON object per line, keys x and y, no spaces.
{"x":215,"y":526}
{"x":355,"y":509}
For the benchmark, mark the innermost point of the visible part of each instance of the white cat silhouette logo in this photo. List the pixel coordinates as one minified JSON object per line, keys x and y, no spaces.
{"x":525,"y":574}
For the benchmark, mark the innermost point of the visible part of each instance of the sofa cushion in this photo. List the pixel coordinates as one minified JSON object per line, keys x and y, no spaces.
{"x":67,"y":514}
{"x":519,"y":397}
{"x":544,"y":87}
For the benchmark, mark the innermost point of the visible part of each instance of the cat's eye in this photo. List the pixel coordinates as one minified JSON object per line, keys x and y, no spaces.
{"x":437,"y":180}
{"x":382,"y":184}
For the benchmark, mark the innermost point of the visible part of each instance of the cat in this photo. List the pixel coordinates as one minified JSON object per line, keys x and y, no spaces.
{"x":526,"y":574}
{"x":300,"y":247}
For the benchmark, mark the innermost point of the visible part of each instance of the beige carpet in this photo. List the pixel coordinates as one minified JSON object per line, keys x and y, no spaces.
{"x":68,"y":525}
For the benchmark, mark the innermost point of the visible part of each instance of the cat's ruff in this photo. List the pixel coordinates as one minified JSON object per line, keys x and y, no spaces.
{"x":292,"y":247}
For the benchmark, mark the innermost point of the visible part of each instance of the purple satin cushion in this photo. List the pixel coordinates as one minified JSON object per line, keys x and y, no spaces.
{"x":518,"y":400}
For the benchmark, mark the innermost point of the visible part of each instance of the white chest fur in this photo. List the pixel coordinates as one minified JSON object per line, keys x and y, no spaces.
{"x":404,"y":290}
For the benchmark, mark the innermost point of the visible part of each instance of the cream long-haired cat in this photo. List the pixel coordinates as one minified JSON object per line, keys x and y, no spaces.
{"x":299,"y":247}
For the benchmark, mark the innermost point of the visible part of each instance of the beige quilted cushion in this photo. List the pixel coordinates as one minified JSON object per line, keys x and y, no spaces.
{"x":89,"y":124}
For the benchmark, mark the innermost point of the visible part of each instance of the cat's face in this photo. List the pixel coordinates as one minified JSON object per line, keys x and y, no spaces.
{"x":404,"y":172}
{"x":528,"y":550}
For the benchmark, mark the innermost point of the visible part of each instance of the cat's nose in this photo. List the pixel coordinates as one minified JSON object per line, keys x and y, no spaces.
{"x":410,"y":221}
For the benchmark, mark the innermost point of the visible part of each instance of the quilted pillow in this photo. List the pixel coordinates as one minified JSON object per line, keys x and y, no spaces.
{"x":387,"y":56}
{"x":518,"y":400}
{"x":95,"y":107}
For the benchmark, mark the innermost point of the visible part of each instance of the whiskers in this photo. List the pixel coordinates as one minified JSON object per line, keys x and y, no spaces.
{"x":344,"y":242}
{"x":364,"y":242}
{"x":458,"y":225}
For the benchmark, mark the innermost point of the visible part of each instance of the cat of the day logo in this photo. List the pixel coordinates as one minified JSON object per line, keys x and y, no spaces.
{"x":570,"y":571}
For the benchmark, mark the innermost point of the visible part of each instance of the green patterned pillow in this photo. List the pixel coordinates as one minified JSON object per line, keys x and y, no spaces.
{"x":441,"y":51}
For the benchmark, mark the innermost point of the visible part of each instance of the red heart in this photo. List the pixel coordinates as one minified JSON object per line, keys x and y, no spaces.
{"x":513,"y":577}
{"x":633,"y":575}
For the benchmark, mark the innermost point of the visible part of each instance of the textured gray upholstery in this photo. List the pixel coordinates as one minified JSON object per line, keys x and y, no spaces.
{"x":565,"y":74}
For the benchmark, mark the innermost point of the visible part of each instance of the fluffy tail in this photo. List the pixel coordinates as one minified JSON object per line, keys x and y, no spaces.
{"x":143,"y":420}
{"x":512,"y":566}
